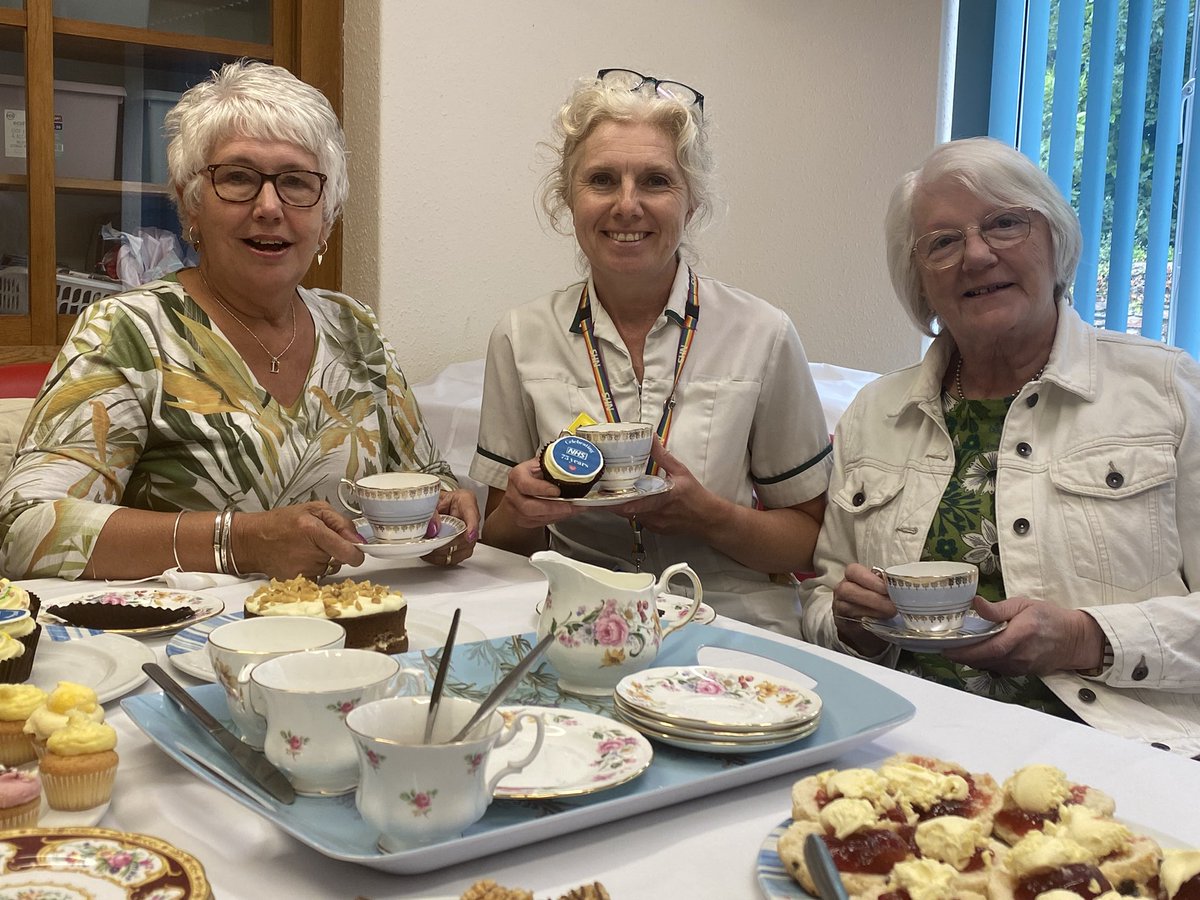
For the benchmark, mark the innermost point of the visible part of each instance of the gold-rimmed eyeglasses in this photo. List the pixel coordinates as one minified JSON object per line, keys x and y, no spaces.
{"x":1001,"y":229}
{"x":241,"y":184}
{"x":630,"y":80}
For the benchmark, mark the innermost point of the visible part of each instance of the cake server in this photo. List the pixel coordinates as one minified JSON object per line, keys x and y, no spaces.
{"x":251,"y":761}
{"x":439,"y":680}
{"x":501,"y":691}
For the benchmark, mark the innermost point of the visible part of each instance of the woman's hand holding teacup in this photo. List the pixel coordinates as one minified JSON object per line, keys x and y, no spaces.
{"x":682,"y":510}
{"x":310,"y":539}
{"x":861,"y":593}
{"x":1040,"y":638}
{"x":461,"y":504}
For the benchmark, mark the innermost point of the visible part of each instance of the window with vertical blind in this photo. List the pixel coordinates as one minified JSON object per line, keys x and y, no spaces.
{"x":1099,"y":93}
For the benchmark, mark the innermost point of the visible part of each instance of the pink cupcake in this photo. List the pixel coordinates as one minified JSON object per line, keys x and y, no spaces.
{"x":20,"y":799}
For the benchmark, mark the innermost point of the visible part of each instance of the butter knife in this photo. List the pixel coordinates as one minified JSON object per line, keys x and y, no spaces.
{"x":824,"y":873}
{"x":252,"y":762}
{"x":501,"y":691}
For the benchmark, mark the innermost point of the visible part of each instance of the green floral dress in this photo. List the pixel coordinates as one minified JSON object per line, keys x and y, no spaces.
{"x":964,"y":528}
{"x":149,"y":406}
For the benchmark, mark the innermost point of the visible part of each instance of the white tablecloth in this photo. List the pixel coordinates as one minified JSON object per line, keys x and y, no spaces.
{"x":705,"y":848}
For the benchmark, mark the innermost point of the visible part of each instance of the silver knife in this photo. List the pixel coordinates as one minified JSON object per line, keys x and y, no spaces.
{"x":251,"y":761}
{"x":501,"y":691}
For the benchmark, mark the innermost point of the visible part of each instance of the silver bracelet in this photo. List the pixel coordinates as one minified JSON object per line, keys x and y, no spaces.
{"x":226,"y":521}
{"x":217,"y":544}
{"x":229,"y":547}
{"x":174,"y":537}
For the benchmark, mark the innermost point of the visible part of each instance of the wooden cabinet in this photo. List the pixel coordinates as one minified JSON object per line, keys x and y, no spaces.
{"x":83,"y":87}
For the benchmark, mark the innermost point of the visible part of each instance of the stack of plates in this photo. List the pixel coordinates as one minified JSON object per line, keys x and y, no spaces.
{"x":716,"y":710}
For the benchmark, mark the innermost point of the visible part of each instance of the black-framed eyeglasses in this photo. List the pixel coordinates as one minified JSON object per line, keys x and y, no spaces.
{"x":630,"y":80}
{"x":1001,"y":229}
{"x":241,"y":184}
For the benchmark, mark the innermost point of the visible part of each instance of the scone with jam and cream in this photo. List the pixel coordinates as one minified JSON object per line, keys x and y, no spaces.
{"x":924,"y":879}
{"x":372,"y":614}
{"x":1037,"y":794}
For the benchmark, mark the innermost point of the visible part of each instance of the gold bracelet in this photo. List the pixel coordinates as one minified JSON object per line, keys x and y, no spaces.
{"x":174,"y":537}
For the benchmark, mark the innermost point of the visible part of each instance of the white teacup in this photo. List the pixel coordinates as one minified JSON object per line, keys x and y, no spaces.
{"x":417,"y":793}
{"x":933,"y":596}
{"x":236,"y":646}
{"x":625,"y":447}
{"x":306,"y":697}
{"x":398,"y":505}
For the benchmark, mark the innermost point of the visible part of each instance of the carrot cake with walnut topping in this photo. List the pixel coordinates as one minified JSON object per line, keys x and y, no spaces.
{"x":372,"y":614}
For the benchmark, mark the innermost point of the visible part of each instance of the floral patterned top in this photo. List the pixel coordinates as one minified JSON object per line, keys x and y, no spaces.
{"x":149,"y":406}
{"x":964,"y":528}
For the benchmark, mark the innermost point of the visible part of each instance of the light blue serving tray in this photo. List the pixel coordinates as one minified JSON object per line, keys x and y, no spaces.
{"x":854,"y":710}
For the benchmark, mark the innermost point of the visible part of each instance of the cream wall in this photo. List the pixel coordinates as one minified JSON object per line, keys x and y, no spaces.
{"x":816,"y":107}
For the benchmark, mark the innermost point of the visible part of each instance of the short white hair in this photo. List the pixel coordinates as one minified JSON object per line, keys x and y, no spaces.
{"x":248,"y":99}
{"x":996,"y":173}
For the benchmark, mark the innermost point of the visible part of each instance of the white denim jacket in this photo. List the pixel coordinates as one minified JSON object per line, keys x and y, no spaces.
{"x":1097,"y":508}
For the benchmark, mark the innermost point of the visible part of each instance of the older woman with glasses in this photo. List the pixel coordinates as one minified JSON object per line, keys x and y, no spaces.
{"x":203,"y":421}
{"x":1062,"y":460}
{"x":718,"y":373}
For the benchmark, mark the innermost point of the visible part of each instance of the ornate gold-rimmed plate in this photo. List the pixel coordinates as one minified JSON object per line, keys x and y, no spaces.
{"x":974,"y":630}
{"x":731,"y":747}
{"x":583,"y":753}
{"x":719,"y":699}
{"x":97,"y":863}
{"x":637,"y":718}
{"x":120,"y":603}
{"x":448,"y":529}
{"x":646,"y":486}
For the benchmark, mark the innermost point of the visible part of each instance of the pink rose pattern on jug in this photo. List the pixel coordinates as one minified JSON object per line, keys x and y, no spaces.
{"x":608,"y":627}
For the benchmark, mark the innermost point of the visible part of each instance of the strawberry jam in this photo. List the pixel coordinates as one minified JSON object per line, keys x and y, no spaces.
{"x":1078,"y":877}
{"x":1023,"y":821}
{"x":901,"y":894}
{"x":1189,"y":890}
{"x":868,"y":851}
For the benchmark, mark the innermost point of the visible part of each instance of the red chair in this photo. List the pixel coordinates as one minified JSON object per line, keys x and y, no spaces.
{"x":23,"y":379}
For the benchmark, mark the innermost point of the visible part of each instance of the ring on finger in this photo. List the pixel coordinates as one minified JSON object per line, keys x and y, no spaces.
{"x":328,"y":568}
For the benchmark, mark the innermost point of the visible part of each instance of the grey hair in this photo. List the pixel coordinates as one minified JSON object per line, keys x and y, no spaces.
{"x":593,"y":103}
{"x":996,"y":173}
{"x":248,"y":99}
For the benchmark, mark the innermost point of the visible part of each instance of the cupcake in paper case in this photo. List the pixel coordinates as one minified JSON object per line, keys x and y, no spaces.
{"x":19,"y":635}
{"x":80,"y":764}
{"x":20,"y":799}
{"x":17,"y":703}
{"x":13,"y":596}
{"x":52,"y":715}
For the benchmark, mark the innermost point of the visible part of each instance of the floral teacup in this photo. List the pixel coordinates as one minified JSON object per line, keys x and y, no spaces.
{"x":417,"y":793}
{"x":306,"y":697}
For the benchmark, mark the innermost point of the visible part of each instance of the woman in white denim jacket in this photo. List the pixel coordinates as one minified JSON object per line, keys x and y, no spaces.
{"x":1090,"y":523}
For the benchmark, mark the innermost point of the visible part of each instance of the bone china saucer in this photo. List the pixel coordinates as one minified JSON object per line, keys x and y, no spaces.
{"x":974,"y":630}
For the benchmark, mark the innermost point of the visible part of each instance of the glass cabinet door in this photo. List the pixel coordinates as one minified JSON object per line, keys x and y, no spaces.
{"x":14,"y":192}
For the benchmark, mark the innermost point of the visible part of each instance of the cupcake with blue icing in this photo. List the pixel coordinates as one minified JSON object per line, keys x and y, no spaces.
{"x":572,"y":464}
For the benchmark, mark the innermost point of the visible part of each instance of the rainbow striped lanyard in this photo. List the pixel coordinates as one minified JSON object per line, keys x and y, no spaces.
{"x":687,"y":334}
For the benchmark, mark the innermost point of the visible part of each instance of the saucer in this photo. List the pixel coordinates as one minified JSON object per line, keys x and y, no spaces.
{"x":448,"y":529}
{"x":646,"y":486}
{"x":974,"y":630}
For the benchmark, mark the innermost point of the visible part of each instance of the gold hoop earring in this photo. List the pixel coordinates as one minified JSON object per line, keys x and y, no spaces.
{"x":321,"y":251}
{"x":192,"y":239}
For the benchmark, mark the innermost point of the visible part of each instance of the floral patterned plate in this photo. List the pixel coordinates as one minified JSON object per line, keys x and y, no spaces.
{"x":719,"y":699}
{"x":201,"y":606}
{"x":649,"y":725}
{"x":733,"y":747}
{"x":97,"y":863}
{"x":974,"y":629}
{"x":672,"y":607}
{"x":583,"y":753}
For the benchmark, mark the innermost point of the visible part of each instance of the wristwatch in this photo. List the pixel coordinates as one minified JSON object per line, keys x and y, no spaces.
{"x":1106,"y":662}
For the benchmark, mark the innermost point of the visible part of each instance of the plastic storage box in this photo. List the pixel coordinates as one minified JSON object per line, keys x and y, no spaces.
{"x":86,"y":118}
{"x":75,"y":291}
